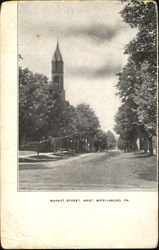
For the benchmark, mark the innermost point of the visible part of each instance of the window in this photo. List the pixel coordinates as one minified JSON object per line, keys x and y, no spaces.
{"x":56,"y":79}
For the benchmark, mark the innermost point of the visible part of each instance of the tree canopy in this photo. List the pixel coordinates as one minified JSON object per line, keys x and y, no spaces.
{"x":39,"y":113}
{"x":137,"y":84}
{"x":42,"y":115}
{"x":32,"y":103}
{"x":111,"y":141}
{"x":87,"y":120}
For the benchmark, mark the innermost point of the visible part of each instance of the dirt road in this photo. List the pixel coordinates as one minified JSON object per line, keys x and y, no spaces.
{"x":104,"y":171}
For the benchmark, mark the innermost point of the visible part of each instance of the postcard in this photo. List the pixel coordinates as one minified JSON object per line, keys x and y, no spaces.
{"x":79,"y":124}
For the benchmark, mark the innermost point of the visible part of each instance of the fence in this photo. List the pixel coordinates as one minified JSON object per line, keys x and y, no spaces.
{"x":78,"y":142}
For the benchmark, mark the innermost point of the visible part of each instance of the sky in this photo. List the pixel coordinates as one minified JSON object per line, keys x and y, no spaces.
{"x":92,"y":37}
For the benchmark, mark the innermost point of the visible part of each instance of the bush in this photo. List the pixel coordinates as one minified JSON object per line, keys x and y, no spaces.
{"x":44,"y":146}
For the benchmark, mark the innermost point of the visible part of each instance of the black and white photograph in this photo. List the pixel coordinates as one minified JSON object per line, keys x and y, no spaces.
{"x":87,"y":96}
{"x":79,"y":119}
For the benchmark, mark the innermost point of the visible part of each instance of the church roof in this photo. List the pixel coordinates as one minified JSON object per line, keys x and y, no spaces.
{"x":57,"y":54}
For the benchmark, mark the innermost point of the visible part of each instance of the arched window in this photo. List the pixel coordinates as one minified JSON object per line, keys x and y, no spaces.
{"x":56,"y":79}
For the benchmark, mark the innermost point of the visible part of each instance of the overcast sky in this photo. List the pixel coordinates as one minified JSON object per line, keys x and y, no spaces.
{"x":92,"y":37}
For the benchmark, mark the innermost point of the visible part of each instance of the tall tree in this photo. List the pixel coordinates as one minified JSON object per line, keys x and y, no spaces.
{"x":111,"y":141}
{"x":100,"y":140}
{"x":88,"y":121}
{"x":121,"y":143}
{"x":142,"y":15}
{"x":62,"y":118}
{"x":32,"y":104}
{"x":145,"y":97}
{"x":126,"y":126}
{"x":41,"y":114}
{"x":138,"y":80}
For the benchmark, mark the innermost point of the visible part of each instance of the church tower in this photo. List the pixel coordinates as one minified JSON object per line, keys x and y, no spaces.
{"x":57,"y":72}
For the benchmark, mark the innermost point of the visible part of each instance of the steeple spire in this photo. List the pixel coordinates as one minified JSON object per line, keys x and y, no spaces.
{"x":57,"y":54}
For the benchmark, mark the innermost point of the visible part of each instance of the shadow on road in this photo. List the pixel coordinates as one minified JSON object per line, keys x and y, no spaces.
{"x":141,"y":155}
{"x":32,"y":167}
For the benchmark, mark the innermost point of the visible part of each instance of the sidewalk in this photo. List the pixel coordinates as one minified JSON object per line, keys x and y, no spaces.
{"x":26,"y":156}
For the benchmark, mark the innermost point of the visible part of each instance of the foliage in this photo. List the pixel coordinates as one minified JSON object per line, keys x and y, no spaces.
{"x":62,"y":119}
{"x":32,"y":103}
{"x":145,"y":97}
{"x":42,"y":115}
{"x":101,"y":140}
{"x":138,"y":80}
{"x":142,"y":15}
{"x":121,"y":143}
{"x":87,"y":120}
{"x":111,"y":141}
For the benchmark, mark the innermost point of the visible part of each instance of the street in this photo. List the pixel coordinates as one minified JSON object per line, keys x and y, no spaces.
{"x":101,"y":171}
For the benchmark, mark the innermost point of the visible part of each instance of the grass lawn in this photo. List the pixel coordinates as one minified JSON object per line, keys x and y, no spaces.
{"x":23,"y":153}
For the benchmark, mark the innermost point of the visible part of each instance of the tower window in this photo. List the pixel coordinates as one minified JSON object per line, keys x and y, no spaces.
{"x":56,"y":79}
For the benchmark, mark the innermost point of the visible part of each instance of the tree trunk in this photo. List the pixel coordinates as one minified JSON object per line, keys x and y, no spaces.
{"x":140,"y":143}
{"x":150,"y":146}
{"x":38,"y":147}
{"x":145,"y":145}
{"x":54,"y":147}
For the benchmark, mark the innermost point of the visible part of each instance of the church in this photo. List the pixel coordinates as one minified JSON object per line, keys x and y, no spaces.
{"x":59,"y":137}
{"x":56,"y":88}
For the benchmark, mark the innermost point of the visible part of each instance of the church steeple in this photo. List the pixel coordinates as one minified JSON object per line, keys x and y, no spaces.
{"x":57,"y":73}
{"x":57,"y":54}
{"x":57,"y":61}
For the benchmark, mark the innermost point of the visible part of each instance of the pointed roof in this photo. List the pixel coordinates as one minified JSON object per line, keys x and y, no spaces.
{"x":57,"y":54}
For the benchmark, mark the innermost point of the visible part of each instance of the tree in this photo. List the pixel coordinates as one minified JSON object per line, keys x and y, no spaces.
{"x":126,"y":125}
{"x":111,"y":141}
{"x":87,"y":120}
{"x":142,"y":15}
{"x":137,"y":81}
{"x":145,"y":97}
{"x":100,"y":140}
{"x":32,"y":104}
{"x":40,"y":114}
{"x":126,"y":118}
{"x":62,"y":118}
{"x":121,"y":143}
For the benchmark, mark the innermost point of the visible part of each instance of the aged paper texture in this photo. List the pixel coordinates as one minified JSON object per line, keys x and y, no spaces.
{"x":88,"y":200}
